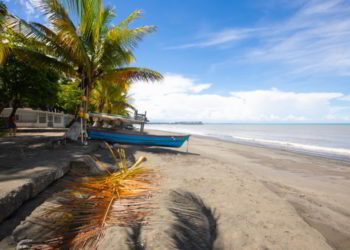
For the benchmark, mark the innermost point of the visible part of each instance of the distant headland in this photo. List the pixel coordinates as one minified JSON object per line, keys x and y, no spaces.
{"x":180,"y":123}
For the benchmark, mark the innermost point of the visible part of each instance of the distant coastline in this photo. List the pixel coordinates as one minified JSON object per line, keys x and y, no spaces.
{"x":253,"y":123}
{"x":179,"y":123}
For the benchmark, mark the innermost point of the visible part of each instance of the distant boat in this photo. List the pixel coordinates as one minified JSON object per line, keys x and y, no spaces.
{"x":137,"y":138}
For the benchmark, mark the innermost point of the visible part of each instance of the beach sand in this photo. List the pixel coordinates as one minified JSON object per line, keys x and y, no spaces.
{"x":260,"y":198}
{"x":263,"y":198}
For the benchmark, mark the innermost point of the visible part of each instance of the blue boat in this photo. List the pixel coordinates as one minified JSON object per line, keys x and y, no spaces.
{"x":109,"y":135}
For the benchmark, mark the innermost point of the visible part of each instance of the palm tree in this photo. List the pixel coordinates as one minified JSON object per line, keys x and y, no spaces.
{"x":88,"y":50}
{"x":110,"y":98}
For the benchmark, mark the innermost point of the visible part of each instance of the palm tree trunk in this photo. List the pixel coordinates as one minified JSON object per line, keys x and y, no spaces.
{"x":15,"y":106}
{"x":13,"y":112}
{"x":2,"y":106}
{"x":85,"y":105}
{"x":101,"y":106}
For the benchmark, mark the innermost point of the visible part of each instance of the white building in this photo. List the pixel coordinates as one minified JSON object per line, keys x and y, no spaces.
{"x":29,"y":118}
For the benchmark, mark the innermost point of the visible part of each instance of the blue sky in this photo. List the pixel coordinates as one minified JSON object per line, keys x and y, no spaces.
{"x":271,"y":60}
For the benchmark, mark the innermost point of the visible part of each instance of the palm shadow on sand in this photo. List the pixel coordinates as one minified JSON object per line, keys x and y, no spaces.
{"x":134,"y":237}
{"x":195,"y":225}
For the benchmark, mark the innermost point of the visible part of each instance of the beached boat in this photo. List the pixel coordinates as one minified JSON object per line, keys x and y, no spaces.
{"x":132,"y":137}
{"x":111,"y":135}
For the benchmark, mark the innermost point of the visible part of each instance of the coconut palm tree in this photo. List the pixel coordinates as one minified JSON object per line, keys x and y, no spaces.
{"x":110,"y":98}
{"x":79,"y":42}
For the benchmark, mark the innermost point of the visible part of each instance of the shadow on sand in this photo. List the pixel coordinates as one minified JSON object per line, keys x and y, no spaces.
{"x":134,"y":237}
{"x":158,"y":150}
{"x":195,"y":225}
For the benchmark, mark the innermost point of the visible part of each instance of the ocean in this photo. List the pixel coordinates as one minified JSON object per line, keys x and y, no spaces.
{"x":327,"y":140}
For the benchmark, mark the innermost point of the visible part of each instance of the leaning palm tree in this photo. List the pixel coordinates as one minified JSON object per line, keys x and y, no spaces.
{"x":88,"y":49}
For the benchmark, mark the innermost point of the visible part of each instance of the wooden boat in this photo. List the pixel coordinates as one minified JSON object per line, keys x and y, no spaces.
{"x":111,"y":135}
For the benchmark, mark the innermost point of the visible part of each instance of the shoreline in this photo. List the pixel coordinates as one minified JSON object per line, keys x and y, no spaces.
{"x":256,"y":143}
{"x":314,"y":187}
{"x":282,"y":149}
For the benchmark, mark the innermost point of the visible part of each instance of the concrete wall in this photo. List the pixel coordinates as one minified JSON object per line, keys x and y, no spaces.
{"x":28,"y":118}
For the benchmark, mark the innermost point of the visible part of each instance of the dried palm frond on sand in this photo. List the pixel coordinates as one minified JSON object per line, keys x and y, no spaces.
{"x":88,"y":207}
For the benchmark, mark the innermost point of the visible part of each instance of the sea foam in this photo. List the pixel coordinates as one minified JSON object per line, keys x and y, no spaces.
{"x":288,"y":140}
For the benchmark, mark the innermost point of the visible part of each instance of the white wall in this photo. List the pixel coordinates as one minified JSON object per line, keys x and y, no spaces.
{"x":28,"y":118}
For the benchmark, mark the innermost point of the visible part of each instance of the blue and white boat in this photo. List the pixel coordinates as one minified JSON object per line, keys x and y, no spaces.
{"x":132,"y":137}
{"x":110,"y":135}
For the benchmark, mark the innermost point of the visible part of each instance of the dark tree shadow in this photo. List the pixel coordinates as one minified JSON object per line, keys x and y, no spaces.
{"x":195,"y":226}
{"x":10,"y":223}
{"x":132,"y":149}
{"x":160,"y":150}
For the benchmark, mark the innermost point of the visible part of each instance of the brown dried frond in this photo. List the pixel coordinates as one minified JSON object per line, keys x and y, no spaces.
{"x":96,"y":203}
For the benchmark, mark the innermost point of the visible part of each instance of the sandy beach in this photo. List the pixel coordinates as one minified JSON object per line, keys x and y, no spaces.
{"x":255,"y":198}
{"x":123,"y":126}
{"x":263,"y":198}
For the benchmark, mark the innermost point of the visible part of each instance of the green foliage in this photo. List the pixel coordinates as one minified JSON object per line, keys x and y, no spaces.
{"x":69,"y":96}
{"x":3,"y":12}
{"x":88,"y":49}
{"x":23,"y":85}
{"x":110,"y":98}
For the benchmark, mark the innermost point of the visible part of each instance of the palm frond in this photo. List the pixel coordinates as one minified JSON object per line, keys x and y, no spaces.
{"x":128,"y":38}
{"x":30,"y":39}
{"x":132,"y":17}
{"x":107,"y":15}
{"x":132,"y":74}
{"x":112,"y":56}
{"x":91,"y":16}
{"x":109,"y":97}
{"x":97,"y":203}
{"x":65,"y":30}
{"x":41,"y":60}
{"x":3,"y":13}
{"x":91,"y":21}
{"x":3,"y":9}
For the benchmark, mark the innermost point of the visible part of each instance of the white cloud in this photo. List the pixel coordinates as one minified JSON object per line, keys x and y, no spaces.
{"x":345,"y":98}
{"x":181,"y":98}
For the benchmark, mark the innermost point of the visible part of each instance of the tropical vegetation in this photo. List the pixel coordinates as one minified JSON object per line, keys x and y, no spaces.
{"x":69,"y":96}
{"x":110,"y":98}
{"x":81,"y":44}
{"x":24,"y":85}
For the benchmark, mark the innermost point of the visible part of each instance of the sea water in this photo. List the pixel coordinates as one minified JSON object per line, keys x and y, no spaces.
{"x":328,"y":140}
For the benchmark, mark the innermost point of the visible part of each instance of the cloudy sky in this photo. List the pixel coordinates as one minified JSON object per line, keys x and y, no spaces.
{"x":241,"y":61}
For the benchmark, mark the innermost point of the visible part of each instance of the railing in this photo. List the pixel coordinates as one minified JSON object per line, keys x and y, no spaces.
{"x":141,"y":117}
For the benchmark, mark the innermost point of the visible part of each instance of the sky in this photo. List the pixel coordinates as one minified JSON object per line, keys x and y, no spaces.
{"x":239,"y":61}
